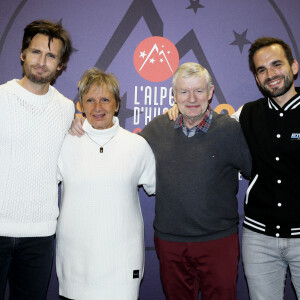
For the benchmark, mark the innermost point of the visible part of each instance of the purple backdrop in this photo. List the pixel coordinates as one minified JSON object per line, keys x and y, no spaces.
{"x":105,"y":34}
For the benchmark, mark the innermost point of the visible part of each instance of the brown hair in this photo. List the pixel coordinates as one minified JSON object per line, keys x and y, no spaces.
{"x":265,"y":42}
{"x":52,"y":30}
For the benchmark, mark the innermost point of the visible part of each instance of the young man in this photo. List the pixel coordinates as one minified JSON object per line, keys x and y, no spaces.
{"x":271,"y":234}
{"x":35,"y":119}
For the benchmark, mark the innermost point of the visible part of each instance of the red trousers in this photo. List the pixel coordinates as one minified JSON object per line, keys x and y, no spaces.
{"x":187,"y":268}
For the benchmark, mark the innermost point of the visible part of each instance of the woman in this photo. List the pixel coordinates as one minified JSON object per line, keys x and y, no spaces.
{"x":100,"y":241}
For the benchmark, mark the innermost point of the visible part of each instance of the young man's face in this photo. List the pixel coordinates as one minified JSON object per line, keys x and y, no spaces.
{"x":274,"y":74}
{"x":41,"y":63}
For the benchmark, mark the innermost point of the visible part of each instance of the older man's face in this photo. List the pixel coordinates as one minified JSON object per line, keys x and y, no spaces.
{"x":192,"y":96}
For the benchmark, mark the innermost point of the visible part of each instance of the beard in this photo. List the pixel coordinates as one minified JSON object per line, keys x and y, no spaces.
{"x":288,"y":81}
{"x":35,"y":78}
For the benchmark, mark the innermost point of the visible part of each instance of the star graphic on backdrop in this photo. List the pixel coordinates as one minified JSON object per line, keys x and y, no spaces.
{"x":194,"y":4}
{"x":152,"y":60}
{"x":161,"y":60}
{"x":143,"y":54}
{"x":240,"y":40}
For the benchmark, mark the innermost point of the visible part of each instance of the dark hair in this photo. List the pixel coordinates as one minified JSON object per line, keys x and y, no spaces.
{"x":52,"y":30}
{"x":265,"y":42}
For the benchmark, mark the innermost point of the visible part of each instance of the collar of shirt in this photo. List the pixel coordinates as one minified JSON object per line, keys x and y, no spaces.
{"x":291,"y":104}
{"x":202,"y":126}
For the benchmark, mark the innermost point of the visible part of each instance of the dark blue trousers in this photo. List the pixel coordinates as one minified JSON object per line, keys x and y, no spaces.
{"x":26,"y":263}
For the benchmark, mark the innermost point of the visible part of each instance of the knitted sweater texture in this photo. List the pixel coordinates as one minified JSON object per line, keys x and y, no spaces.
{"x":32,"y":131}
{"x":197,"y":179}
{"x":100,"y":233}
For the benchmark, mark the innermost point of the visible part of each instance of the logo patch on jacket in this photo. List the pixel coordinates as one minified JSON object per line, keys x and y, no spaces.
{"x":295,"y":136}
{"x":136,"y":274}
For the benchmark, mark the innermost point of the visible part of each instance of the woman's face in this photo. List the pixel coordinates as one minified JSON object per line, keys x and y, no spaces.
{"x":99,"y":106}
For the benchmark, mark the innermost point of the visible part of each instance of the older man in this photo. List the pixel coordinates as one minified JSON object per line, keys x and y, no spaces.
{"x":196,"y":219}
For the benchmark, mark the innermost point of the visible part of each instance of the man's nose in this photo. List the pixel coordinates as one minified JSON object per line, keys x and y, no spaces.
{"x":42,"y":60}
{"x":271,"y":72}
{"x":192,"y":97}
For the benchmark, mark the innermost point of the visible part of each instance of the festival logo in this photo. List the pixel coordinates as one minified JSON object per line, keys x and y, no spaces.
{"x":156,"y":59}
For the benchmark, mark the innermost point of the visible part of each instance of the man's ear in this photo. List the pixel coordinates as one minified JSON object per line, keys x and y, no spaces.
{"x":60,"y":67}
{"x":22,"y":57}
{"x":211,"y":92}
{"x":174,"y":95}
{"x":295,"y":67}
{"x":257,"y":81}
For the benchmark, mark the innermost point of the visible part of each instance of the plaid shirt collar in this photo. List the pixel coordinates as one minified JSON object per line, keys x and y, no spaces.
{"x":202,"y":126}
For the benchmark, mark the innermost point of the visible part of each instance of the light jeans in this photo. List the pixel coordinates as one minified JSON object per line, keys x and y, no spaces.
{"x":266,"y":260}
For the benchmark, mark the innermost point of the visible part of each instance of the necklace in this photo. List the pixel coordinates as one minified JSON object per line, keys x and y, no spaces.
{"x":101,"y":146}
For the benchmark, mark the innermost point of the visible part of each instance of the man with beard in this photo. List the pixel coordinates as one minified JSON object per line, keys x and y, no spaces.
{"x":35,"y":119}
{"x":271,"y":229}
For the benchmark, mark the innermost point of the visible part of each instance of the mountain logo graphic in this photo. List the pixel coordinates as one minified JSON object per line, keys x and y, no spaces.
{"x":156,"y":59}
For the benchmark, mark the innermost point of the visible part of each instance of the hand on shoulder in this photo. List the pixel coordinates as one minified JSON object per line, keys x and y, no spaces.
{"x":76,"y":126}
{"x":173,"y":112}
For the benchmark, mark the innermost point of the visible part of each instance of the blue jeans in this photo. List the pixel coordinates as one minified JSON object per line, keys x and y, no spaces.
{"x":27,"y":263}
{"x":266,"y":260}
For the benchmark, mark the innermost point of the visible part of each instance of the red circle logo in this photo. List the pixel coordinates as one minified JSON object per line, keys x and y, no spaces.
{"x":156,"y":58}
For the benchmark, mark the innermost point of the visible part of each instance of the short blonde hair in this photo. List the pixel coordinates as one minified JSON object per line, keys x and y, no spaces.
{"x":96,"y":76}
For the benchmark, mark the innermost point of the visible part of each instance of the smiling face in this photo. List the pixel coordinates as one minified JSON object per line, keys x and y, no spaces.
{"x":99,"y":106}
{"x":41,"y":63}
{"x":192,"y":97}
{"x":274,"y":74}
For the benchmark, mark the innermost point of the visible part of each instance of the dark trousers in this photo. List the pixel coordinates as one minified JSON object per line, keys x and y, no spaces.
{"x":26,"y":263}
{"x":186,"y":268}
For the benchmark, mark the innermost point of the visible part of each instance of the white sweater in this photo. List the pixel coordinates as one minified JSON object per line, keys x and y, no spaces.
{"x":100,"y":233}
{"x":32,"y":129}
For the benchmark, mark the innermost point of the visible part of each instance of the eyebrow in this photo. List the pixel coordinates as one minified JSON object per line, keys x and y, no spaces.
{"x":259,"y":68}
{"x":276,"y":61}
{"x":50,"y":51}
{"x":272,"y":63}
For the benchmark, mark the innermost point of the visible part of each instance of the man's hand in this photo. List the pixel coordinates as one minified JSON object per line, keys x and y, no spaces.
{"x":76,"y":127}
{"x":173,"y":112}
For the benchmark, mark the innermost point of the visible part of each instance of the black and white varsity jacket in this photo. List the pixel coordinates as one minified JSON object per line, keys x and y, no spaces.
{"x":272,"y":201}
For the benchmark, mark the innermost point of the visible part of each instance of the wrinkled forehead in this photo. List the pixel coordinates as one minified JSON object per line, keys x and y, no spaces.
{"x":191,"y":81}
